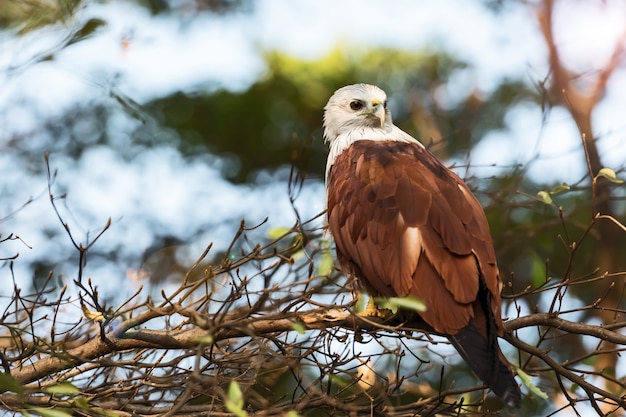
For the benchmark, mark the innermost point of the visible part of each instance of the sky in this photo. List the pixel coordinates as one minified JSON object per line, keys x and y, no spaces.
{"x":159,"y":192}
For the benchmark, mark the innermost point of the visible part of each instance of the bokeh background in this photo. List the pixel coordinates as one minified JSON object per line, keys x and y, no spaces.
{"x":177,"y":119}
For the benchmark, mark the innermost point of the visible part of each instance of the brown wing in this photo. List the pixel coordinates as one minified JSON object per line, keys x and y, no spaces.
{"x":404,"y":224}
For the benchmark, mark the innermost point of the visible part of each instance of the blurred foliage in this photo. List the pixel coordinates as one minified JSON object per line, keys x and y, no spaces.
{"x":187,"y":7}
{"x":278,"y":120}
{"x":27,"y":15}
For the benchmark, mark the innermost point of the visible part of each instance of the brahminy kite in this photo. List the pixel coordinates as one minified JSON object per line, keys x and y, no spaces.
{"x":406,"y":225}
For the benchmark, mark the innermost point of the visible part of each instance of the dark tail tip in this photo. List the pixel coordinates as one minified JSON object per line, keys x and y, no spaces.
{"x":512,"y":396}
{"x":504,"y":386}
{"x":488,"y":363}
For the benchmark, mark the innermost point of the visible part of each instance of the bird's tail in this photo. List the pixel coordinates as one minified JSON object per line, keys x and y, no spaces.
{"x":488,"y":363}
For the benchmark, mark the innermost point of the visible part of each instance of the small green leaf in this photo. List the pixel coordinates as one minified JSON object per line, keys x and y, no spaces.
{"x":292,"y":413}
{"x":297,"y":244}
{"x":207,"y":340}
{"x":537,"y":270}
{"x":63,"y":388}
{"x":234,"y":393}
{"x":8,"y":383}
{"x":405,"y":303}
{"x":609,"y":174}
{"x":82,"y":402}
{"x":51,"y":412}
{"x":526,"y":380}
{"x":277,"y":232}
{"x":299,"y":327}
{"x":593,"y":360}
{"x":360,"y":302}
{"x":339,"y":381}
{"x":326,"y":264}
{"x":560,"y":188}
{"x":234,"y":400}
{"x":545,"y":197}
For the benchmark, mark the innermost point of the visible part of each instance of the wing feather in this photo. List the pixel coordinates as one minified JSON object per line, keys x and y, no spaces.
{"x":446,"y":315}
{"x":409,"y":225}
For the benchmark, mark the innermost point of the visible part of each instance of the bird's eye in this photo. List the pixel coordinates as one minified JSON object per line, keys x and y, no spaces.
{"x":385,"y":104}
{"x":356,"y":105}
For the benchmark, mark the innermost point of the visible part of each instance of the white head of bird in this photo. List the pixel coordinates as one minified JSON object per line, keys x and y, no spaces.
{"x":358,"y":112}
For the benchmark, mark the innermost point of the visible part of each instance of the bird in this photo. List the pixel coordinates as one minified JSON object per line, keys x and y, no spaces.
{"x":405,"y":225}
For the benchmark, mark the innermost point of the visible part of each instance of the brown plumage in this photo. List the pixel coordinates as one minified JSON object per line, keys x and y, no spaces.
{"x":404,"y":224}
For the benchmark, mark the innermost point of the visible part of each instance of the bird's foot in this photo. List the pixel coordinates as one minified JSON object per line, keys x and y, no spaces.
{"x":372,"y":310}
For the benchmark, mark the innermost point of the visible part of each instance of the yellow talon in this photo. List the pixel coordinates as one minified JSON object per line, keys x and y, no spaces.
{"x":372,"y":310}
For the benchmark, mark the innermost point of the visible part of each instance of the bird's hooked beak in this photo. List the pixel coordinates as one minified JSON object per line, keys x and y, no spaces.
{"x":377,"y":110}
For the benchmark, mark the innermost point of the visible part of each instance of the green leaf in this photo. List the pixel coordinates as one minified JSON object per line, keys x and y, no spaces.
{"x":8,"y":383}
{"x":326,"y":264}
{"x":405,"y":303}
{"x":545,"y":197}
{"x":52,"y":412}
{"x":360,"y":302}
{"x":609,"y":174}
{"x":299,"y":327}
{"x":292,"y":413}
{"x":339,"y":381}
{"x":526,"y":380}
{"x":560,"y":188}
{"x":297,"y":244}
{"x":234,"y":400}
{"x":234,"y":393}
{"x":537,"y":270}
{"x":593,"y":361}
{"x":63,"y":388}
{"x":82,"y":402}
{"x":276,"y":232}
